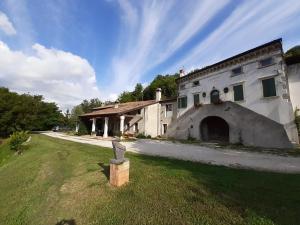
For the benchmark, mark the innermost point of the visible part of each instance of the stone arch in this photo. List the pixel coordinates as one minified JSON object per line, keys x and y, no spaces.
{"x":214,"y":128}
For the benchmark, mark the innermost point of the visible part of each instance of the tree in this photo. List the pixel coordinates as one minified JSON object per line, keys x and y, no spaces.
{"x":26,"y":112}
{"x":167,"y":83}
{"x":88,"y":105}
{"x":292,"y":56}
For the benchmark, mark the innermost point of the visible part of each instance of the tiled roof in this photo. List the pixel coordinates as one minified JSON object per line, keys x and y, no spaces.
{"x":121,"y":108}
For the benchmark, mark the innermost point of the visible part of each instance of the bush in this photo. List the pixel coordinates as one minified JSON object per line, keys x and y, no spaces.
{"x":141,"y":136}
{"x":17,"y":139}
{"x":83,"y":130}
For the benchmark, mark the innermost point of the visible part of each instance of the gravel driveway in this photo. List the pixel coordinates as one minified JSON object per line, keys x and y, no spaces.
{"x":225,"y":157}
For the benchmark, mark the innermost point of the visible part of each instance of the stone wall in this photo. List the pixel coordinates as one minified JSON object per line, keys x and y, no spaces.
{"x":245,"y":126}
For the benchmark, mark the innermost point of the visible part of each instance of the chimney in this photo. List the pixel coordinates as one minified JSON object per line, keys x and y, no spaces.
{"x":158,"y":94}
{"x":181,"y":73}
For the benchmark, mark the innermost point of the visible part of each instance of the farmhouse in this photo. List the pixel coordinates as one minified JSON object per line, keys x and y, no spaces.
{"x":243,"y":99}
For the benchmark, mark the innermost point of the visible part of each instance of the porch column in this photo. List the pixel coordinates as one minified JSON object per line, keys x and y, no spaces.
{"x":94,"y":126}
{"x":77,"y":127}
{"x":122,"y":118}
{"x":105,"y":127}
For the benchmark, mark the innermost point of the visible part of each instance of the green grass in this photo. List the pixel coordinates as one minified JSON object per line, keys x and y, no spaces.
{"x":56,"y":180}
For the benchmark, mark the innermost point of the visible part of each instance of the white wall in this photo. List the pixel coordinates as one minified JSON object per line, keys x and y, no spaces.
{"x":151,"y":118}
{"x":294,"y":84}
{"x":277,"y":108}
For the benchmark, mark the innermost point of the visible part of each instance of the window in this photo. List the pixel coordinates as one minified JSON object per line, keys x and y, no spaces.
{"x":182,"y":102}
{"x":196,"y":99}
{"x":269,"y":88}
{"x":266,"y":62}
{"x":196,"y":83}
{"x":238,"y":92}
{"x":182,"y":86}
{"x":169,"y":107}
{"x":139,"y":111}
{"x":165,"y":127}
{"x":236,"y":71}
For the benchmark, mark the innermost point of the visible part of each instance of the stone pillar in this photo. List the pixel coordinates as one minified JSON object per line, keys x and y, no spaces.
{"x":119,"y":173}
{"x":77,"y":127}
{"x":105,"y":133}
{"x":94,"y":126}
{"x":122,"y":118}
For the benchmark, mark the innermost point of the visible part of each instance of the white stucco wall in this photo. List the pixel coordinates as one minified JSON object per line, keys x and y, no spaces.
{"x":294,"y":84}
{"x":151,"y":118}
{"x":277,"y":108}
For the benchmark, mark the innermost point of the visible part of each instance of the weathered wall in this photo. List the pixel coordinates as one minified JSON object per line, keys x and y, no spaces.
{"x":245,"y":126}
{"x":167,"y":117}
{"x":151,"y":119}
{"x":294,"y":84}
{"x":277,"y":108}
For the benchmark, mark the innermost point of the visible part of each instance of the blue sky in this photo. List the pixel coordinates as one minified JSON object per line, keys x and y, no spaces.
{"x":70,"y":50}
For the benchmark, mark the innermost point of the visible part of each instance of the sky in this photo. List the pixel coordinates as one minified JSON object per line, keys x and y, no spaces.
{"x":70,"y":50}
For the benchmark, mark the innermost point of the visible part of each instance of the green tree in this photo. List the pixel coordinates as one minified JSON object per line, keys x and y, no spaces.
{"x":26,"y":112}
{"x":292,"y":56}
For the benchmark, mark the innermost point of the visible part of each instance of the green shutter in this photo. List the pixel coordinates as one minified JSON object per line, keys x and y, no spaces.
{"x":269,"y":88}
{"x":238,"y":93}
{"x":196,"y":99}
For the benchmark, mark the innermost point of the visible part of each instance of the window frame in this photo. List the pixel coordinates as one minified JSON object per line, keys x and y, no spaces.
{"x":196,"y":94}
{"x":233,"y":74}
{"x":275,"y":88}
{"x":198,"y":83}
{"x":243,"y":92}
{"x":263,"y":66}
{"x":179,"y":102}
{"x":169,"y":104}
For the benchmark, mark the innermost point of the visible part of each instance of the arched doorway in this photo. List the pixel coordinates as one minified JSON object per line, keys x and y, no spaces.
{"x":214,"y":128}
{"x":214,"y":96}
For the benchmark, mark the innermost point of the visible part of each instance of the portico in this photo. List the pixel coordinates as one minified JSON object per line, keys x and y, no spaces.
{"x":108,"y":126}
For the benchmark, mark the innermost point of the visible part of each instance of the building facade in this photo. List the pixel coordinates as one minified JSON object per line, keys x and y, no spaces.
{"x":256,"y":80}
{"x":246,"y":99}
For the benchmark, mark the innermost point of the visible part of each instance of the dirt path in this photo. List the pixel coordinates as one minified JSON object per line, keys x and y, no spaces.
{"x":225,"y":157}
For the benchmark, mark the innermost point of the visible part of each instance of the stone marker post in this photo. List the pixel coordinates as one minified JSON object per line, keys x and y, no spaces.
{"x":119,"y":166}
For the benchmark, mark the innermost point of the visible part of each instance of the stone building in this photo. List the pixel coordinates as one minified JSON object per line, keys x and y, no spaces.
{"x":244,"y":99}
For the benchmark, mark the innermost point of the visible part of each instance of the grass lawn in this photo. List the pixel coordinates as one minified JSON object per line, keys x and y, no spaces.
{"x":57,"y":181}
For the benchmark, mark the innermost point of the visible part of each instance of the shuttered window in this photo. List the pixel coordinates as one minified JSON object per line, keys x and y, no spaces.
{"x":196,"y":99}
{"x":238,"y":92}
{"x":269,"y":88}
{"x":182,"y":102}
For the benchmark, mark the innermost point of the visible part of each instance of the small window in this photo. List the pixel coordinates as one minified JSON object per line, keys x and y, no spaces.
{"x":238,"y":92}
{"x":196,"y":99}
{"x":165,"y":127}
{"x":266,"y":62}
{"x":269,"y":88}
{"x":204,"y":94}
{"x":196,"y":83}
{"x":139,"y":111}
{"x":226,"y":90}
{"x":182,"y":86}
{"x":169,"y":107}
{"x":182,"y":102}
{"x":237,"y":71}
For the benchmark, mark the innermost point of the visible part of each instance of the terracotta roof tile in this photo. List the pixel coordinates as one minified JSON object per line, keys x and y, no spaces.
{"x":121,"y":109}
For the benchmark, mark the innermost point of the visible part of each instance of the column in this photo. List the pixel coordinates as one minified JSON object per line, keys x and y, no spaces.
{"x":94,"y":126}
{"x":122,"y":118}
{"x":105,"y":135}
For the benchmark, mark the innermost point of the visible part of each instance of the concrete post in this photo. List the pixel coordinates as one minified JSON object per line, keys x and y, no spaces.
{"x":122,"y":118}
{"x":105,"y":133}
{"x":94,"y":126}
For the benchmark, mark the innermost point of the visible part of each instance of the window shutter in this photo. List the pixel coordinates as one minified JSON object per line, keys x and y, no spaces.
{"x":238,"y":93}
{"x":269,"y":88}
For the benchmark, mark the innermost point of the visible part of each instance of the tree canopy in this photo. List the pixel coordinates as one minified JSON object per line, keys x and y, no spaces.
{"x":166,"y":83}
{"x":26,"y":112}
{"x":292,"y":56}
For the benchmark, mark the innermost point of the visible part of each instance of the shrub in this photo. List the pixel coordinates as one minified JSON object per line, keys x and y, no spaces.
{"x":17,"y":139}
{"x":140,"y":136}
{"x":83,"y":130}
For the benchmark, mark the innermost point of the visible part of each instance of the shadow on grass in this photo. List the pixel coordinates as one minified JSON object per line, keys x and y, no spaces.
{"x":104,"y":169}
{"x":66,"y":222}
{"x":272,"y":196}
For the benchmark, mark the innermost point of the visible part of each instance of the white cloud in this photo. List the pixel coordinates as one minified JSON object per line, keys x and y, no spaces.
{"x":59,"y":76}
{"x":152,"y":31}
{"x":5,"y":25}
{"x":251,"y":24}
